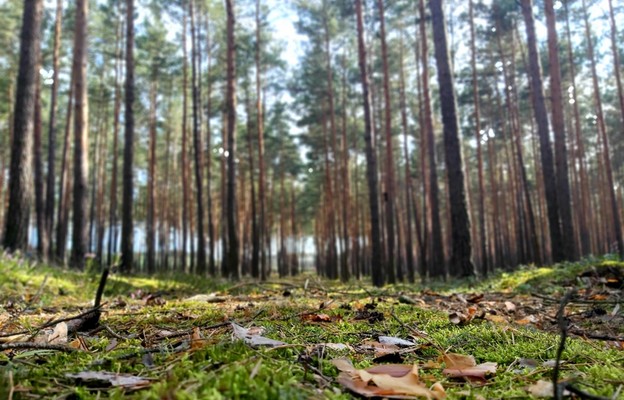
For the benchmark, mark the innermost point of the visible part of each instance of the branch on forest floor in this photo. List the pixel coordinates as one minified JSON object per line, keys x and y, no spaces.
{"x":577,"y":301}
{"x":559,"y":388}
{"x":37,"y":346}
{"x":54,"y":322}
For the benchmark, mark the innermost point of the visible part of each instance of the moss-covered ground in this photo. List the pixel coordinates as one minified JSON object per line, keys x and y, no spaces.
{"x":173,"y":332}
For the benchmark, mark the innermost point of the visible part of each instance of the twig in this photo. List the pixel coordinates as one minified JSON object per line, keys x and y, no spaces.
{"x":597,"y":337}
{"x":583,"y":395}
{"x":39,"y":291}
{"x":11,"y":386}
{"x":38,"y":346}
{"x":54,"y":322}
{"x":563,"y":327}
{"x":115,"y":334}
{"x":577,"y":301}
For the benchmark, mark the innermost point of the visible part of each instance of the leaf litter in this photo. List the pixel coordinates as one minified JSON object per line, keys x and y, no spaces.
{"x":154,"y":334}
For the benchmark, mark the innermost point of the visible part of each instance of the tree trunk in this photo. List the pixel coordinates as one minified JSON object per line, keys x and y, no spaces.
{"x":461,"y":258}
{"x":150,"y":233}
{"x":113,"y":212}
{"x":606,"y":157}
{"x":42,"y":238}
{"x":197,"y":144}
{"x":409,"y":248}
{"x":437,"y":267}
{"x":232,"y":256}
{"x":389,"y":197}
{"x":541,"y":119}
{"x":377,"y":270}
{"x":616,"y":60}
{"x":80,"y":231}
{"x":20,"y":170}
{"x":561,"y":155}
{"x":478,"y":137}
{"x":211,"y":230}
{"x":49,"y":211}
{"x":583,"y":207}
{"x":127,"y":230}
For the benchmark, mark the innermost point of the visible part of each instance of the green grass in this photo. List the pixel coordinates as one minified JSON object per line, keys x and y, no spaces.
{"x":223,"y":368}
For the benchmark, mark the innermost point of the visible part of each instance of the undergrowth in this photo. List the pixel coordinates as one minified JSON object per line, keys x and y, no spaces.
{"x":225,"y":368}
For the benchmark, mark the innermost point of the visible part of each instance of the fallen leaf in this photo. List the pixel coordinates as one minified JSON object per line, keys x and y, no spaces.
{"x":391,"y":381}
{"x":79,"y":343}
{"x":462,"y":366}
{"x":335,"y":346}
{"x":395,"y":341}
{"x":100,"y":378}
{"x":379,"y":349}
{"x":529,"y":319}
{"x":543,"y":388}
{"x":252,"y":339}
{"x":475,"y":298}
{"x":317,"y":317}
{"x":154,"y":300}
{"x":197,"y":342}
{"x":59,"y":335}
{"x":496,"y":318}
{"x":457,"y":318}
{"x":511,"y":307}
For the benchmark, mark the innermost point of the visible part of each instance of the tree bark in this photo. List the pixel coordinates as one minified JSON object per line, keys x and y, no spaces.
{"x":478,"y":136}
{"x":80,"y":231}
{"x":461,"y":257}
{"x":604,"y":139}
{"x":377,"y":270}
{"x":150,"y":234}
{"x":49,"y":211}
{"x":389,"y":196}
{"x":127,"y":229}
{"x":541,"y":119}
{"x":20,"y":170}
{"x":197,"y":144}
{"x":561,"y":155}
{"x":113,"y":212}
{"x":436,"y":263}
{"x":233,"y":255}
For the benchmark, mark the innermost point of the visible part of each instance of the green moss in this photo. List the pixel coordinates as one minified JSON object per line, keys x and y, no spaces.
{"x":229,"y":369}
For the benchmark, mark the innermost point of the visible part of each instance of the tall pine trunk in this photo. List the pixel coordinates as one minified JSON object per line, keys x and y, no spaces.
{"x":197,"y":144}
{"x":436,"y":263}
{"x":558,"y":124}
{"x":541,"y":119}
{"x":51,"y":177}
{"x":461,"y":257}
{"x":230,"y":104}
{"x":20,"y":170}
{"x":377,"y":270}
{"x":127,"y":229}
{"x":80,"y":231}
{"x":389,"y":197}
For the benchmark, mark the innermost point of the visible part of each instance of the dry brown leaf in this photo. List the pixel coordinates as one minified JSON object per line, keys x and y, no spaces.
{"x":511,"y":307}
{"x":79,"y":343}
{"x":388,"y":380}
{"x":462,"y":366}
{"x":99,"y":378}
{"x":543,"y":388}
{"x":379,"y":349}
{"x":320,"y":317}
{"x":197,"y":342}
{"x":496,"y":318}
{"x":252,"y":339}
{"x":59,"y":335}
{"x":529,"y":319}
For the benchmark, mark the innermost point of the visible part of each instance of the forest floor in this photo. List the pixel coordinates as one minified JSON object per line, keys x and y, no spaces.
{"x":185,"y":338}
